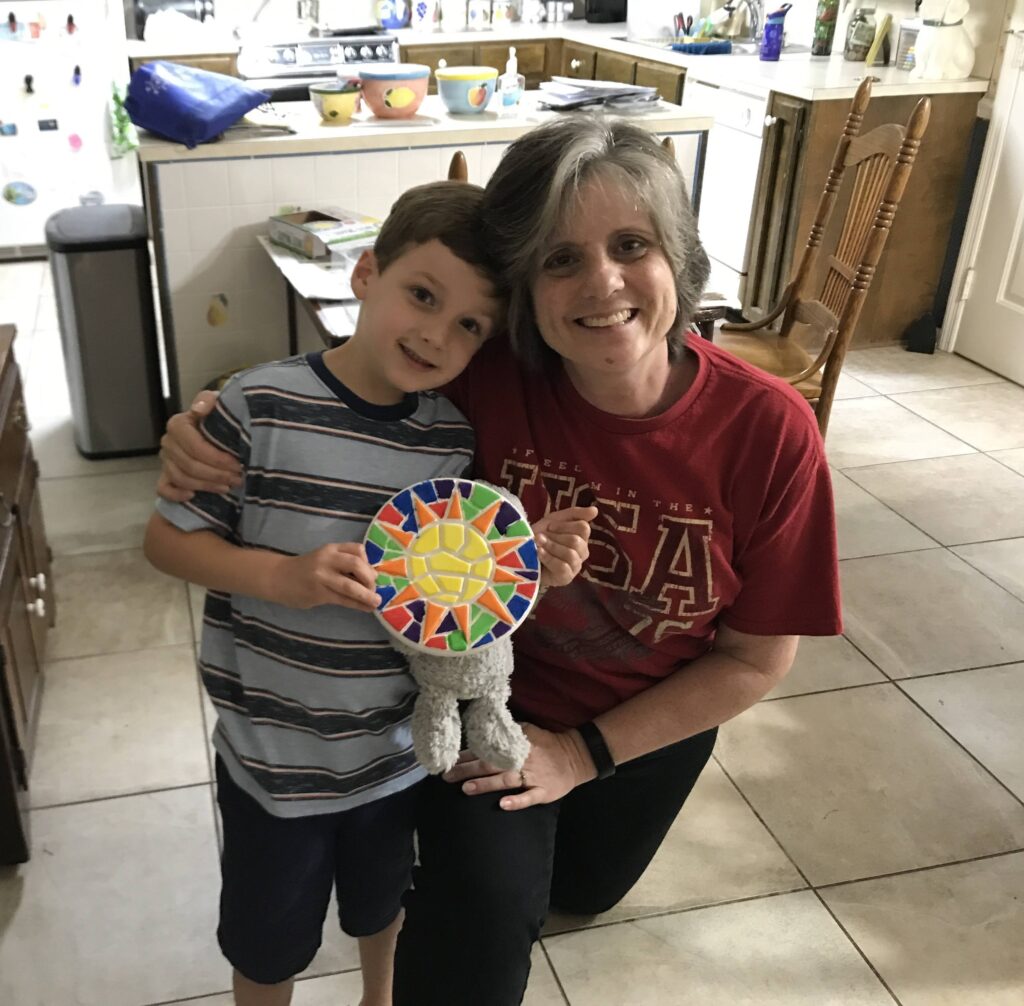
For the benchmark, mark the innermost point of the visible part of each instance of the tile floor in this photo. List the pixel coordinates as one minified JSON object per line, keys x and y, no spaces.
{"x":858,"y":839}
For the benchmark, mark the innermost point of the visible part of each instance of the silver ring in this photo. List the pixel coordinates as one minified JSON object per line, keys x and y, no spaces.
{"x":522,"y":779}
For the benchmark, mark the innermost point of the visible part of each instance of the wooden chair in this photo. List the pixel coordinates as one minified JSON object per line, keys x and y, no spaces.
{"x":809,"y":348}
{"x":458,"y":171}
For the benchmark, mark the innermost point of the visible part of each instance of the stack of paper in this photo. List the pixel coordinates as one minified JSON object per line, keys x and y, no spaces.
{"x":564,"y":93}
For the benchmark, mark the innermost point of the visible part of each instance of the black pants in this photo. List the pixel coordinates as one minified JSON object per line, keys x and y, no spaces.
{"x":487,"y":877}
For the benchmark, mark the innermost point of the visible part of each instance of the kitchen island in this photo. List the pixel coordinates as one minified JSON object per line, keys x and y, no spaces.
{"x":222,"y":301}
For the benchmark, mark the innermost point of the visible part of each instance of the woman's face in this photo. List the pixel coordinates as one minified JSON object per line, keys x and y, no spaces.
{"x":605,"y":296}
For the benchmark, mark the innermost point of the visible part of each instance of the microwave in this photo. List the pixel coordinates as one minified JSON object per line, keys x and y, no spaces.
{"x":604,"y":11}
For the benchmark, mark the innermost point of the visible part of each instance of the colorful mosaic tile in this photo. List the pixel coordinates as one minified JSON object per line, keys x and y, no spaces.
{"x":456,"y":564}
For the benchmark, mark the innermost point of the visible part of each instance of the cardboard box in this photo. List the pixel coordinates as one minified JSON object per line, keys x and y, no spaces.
{"x":321,"y":233}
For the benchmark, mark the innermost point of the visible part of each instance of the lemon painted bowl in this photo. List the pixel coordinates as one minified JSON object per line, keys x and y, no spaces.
{"x":336,"y":100}
{"x":466,"y":90}
{"x":396,"y":90}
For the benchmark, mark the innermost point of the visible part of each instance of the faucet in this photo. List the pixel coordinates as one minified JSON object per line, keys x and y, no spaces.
{"x":755,"y":15}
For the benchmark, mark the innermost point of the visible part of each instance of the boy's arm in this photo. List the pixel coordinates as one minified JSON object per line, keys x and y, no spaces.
{"x":332,"y":574}
{"x":562,"y":538}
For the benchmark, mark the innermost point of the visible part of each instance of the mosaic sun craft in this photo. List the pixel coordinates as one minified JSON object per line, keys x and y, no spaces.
{"x":456,"y":564}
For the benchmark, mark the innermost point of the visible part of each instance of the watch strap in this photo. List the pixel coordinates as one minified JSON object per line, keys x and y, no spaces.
{"x":599,"y":753}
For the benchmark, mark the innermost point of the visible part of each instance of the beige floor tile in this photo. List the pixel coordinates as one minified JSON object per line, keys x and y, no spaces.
{"x":866,"y":526}
{"x":945,"y":937}
{"x":117,"y":906}
{"x":716,"y":851}
{"x":109,"y":602}
{"x":824,"y":663}
{"x":987,"y":417}
{"x":783,"y":951}
{"x":925,"y":612}
{"x":117,"y":724}
{"x":983,"y":710}
{"x":98,"y":513}
{"x":891,"y":370}
{"x":1003,"y":561}
{"x":860,"y":782}
{"x":955,"y":500}
{"x":849,"y":387}
{"x":1012,"y":459}
{"x":871,"y":431}
{"x":54,"y":447}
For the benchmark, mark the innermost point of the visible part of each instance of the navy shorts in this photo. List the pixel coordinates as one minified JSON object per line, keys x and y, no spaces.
{"x":277,"y":875}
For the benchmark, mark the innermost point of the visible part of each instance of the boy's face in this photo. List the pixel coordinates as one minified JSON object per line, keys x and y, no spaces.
{"x":423,"y":317}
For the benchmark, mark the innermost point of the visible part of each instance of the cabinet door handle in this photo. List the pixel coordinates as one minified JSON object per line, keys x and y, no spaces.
{"x":6,"y":513}
{"x":769,"y":121}
{"x":36,"y":607}
{"x":575,"y":64}
{"x":38,"y":582}
{"x":21,"y":418}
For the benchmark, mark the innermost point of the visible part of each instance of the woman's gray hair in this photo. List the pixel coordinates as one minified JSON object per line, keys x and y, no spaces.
{"x":539,"y":179}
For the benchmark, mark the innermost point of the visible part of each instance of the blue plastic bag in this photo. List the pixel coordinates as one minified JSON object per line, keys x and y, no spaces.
{"x":186,"y":104}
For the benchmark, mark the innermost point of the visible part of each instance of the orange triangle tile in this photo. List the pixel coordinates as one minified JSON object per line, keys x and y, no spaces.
{"x":502,"y":548}
{"x":409,"y":594}
{"x":501,"y":575}
{"x":454,"y":506}
{"x":463,"y":616}
{"x":402,"y":537}
{"x":489,"y":600}
{"x":424,"y":515}
{"x":394,"y":567}
{"x":483,"y":521}
{"x":433,"y":618}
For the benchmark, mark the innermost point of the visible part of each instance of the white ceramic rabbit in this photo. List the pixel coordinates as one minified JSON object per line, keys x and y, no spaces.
{"x":944,"y":50}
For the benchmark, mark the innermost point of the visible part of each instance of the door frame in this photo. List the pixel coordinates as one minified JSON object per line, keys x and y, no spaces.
{"x":980,"y":205}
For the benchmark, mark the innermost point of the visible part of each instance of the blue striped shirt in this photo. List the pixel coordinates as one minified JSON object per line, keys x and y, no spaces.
{"x":313,"y":705}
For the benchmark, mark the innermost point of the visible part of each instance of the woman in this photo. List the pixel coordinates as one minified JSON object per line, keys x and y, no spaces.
{"x":714,"y":549}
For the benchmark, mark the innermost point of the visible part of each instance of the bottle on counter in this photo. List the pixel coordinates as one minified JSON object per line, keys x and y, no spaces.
{"x":502,"y":12}
{"x":453,"y":15}
{"x":478,"y":14}
{"x":860,"y":33}
{"x":511,"y":84}
{"x":825,"y":27}
{"x":426,"y":15}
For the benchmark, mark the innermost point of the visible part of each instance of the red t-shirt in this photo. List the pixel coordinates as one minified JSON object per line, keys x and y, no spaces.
{"x":719,"y":508}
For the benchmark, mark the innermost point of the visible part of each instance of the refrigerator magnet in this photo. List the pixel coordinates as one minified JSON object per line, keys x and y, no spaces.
{"x":8,"y":129}
{"x":19,"y":193}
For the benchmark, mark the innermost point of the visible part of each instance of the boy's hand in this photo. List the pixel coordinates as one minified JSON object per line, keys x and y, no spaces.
{"x":192,"y":464}
{"x":333,"y":574}
{"x":562,"y":538}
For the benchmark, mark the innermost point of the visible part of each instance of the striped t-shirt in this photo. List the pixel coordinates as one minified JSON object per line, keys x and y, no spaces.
{"x":313,"y":705}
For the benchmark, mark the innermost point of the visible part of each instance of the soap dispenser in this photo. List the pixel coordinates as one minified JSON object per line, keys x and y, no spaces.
{"x":511,"y":85}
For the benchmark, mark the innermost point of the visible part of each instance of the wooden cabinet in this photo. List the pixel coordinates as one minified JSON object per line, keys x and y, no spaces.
{"x":578,"y":60}
{"x":26,"y":605}
{"x":221,"y":62}
{"x":534,"y":62}
{"x":666,"y":78}
{"x":612,"y":66}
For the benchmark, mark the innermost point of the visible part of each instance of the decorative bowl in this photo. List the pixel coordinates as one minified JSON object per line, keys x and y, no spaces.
{"x":466,"y":90}
{"x":395,"y":90}
{"x":335,"y":100}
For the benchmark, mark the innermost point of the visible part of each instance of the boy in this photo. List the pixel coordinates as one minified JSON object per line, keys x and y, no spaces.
{"x":315,"y":769}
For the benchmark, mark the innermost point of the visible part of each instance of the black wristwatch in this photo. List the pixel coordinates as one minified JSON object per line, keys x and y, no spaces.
{"x":599,"y":753}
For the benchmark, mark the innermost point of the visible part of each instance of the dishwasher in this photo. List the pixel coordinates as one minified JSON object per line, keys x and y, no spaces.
{"x":731,"y":170}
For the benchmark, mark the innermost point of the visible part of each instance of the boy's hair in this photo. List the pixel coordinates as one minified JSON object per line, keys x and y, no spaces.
{"x":448,"y":212}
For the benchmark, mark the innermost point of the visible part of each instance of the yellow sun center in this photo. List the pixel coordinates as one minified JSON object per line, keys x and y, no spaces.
{"x":451,"y":563}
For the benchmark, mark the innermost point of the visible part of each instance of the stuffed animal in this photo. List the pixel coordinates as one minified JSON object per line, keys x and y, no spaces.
{"x":457,"y":572}
{"x":482,"y":676}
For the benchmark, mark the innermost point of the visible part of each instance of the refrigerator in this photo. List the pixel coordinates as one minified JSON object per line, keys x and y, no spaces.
{"x":58,"y":62}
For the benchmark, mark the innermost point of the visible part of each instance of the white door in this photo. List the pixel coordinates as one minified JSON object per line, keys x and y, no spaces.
{"x":989,"y":327}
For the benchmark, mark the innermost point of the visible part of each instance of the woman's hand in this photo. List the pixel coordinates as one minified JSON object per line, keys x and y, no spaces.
{"x":332,"y":574}
{"x":562,"y":538}
{"x":556,"y":765}
{"x":191,"y":463}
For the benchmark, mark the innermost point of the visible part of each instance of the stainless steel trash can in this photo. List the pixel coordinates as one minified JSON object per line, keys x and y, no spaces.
{"x":100,"y":264}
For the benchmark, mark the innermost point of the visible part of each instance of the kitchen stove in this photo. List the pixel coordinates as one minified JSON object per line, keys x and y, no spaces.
{"x":286,"y":70}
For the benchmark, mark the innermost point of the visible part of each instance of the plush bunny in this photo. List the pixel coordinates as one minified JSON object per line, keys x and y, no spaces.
{"x":482,"y":677}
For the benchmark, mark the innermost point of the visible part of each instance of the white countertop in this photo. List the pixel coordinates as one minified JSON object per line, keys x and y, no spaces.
{"x":431,"y":127}
{"x":812,"y":78}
